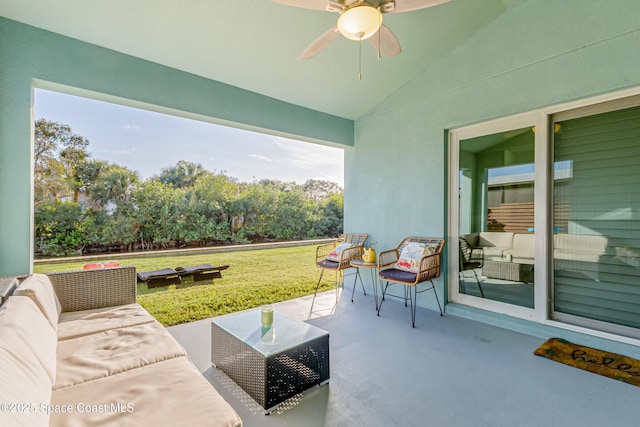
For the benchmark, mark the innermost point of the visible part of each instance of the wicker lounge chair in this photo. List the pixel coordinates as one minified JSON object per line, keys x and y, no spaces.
{"x":470,"y":259}
{"x":330,"y":257}
{"x":202,"y":272}
{"x":170,"y":276}
{"x":157,"y":278}
{"x":393,"y":268}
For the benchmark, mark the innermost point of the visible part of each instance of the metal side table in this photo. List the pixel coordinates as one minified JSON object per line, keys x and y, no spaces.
{"x":372,"y":267}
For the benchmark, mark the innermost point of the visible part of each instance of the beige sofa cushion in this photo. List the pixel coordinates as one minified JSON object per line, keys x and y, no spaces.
{"x":38,"y":287}
{"x":24,"y":381}
{"x":75,"y":324}
{"x":579,"y":247}
{"x":523,"y":246}
{"x":169,"y":393}
{"x":21,"y":316}
{"x":494,"y":243}
{"x":496,"y":238}
{"x":109,"y":352}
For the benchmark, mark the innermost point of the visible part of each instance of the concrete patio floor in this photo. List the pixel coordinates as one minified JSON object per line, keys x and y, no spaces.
{"x":448,"y":371}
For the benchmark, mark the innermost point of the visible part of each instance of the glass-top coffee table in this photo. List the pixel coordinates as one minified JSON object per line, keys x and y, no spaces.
{"x":270,"y":364}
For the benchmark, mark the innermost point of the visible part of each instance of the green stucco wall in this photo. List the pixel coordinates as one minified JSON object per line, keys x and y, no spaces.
{"x":535,"y":54}
{"x":32,"y":57}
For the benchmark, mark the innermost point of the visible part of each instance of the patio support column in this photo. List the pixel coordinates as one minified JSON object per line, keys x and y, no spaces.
{"x":16,"y":185}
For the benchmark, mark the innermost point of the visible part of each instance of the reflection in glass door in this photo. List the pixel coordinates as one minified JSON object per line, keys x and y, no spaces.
{"x":496,"y":217}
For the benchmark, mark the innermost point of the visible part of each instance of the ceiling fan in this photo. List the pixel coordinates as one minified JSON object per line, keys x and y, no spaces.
{"x":360,"y":20}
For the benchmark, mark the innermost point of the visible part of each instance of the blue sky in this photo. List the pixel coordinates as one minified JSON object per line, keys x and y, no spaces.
{"x":147,"y":142}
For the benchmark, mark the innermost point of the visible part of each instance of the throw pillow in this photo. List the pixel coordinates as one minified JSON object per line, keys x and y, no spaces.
{"x":38,"y":287}
{"x":335,"y":254}
{"x":411,"y":255}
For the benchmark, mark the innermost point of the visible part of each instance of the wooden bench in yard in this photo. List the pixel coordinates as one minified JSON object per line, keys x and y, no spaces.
{"x":170,"y":276}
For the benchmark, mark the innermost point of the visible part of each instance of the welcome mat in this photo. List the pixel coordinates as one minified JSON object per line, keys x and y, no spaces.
{"x":599,"y":362}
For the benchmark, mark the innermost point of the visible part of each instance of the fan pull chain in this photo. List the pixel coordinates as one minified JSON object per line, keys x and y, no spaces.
{"x":360,"y":59}
{"x":379,"y":42}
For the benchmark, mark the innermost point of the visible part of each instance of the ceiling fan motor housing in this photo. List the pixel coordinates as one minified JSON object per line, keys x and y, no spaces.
{"x":387,"y":6}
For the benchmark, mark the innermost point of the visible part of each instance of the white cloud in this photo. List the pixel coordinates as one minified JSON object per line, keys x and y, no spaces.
{"x":306,"y":154}
{"x":259,"y":157}
{"x":129,"y":126}
{"x":304,"y":159}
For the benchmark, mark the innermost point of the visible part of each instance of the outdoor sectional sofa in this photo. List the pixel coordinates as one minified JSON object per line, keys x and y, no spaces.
{"x":567,"y":247}
{"x":76,"y":350}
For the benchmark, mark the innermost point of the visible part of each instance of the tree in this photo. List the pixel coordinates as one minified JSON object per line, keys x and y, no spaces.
{"x":158,"y":209}
{"x":254,"y":211}
{"x":209,"y":202}
{"x":58,"y":228}
{"x":196,"y":223}
{"x":330,"y":216}
{"x":57,"y":153}
{"x":318,"y":189}
{"x":114,"y":184}
{"x":184,"y":174}
{"x":87,"y":174}
{"x":185,"y":203}
{"x":293,"y":217}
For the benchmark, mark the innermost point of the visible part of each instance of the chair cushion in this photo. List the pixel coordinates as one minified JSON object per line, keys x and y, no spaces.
{"x":393,"y":274}
{"x":325,"y":263}
{"x":411,"y":255}
{"x":334,"y":255}
{"x":38,"y":287}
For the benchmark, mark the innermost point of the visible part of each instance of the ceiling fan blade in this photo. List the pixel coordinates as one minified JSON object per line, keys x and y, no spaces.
{"x":385,"y":42}
{"x":320,"y":43}
{"x":307,"y":4}
{"x":409,"y":5}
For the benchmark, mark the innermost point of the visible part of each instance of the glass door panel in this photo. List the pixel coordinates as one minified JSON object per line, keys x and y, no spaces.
{"x":596,"y":242}
{"x":496,"y":217}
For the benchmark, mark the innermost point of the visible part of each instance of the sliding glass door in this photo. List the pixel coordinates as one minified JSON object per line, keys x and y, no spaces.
{"x":596,"y":246}
{"x":545,"y":210}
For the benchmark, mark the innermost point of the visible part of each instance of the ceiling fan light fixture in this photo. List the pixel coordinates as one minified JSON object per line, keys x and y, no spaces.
{"x":360,"y":22}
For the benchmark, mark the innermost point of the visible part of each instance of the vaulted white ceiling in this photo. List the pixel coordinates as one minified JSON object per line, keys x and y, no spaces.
{"x":255,"y":44}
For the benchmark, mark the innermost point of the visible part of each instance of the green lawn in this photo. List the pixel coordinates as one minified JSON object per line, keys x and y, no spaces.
{"x":254,"y":278}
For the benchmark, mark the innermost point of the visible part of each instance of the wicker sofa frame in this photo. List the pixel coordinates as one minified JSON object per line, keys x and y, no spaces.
{"x":91,"y":289}
{"x":97,"y":308}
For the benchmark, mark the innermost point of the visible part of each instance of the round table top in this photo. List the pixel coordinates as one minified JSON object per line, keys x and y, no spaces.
{"x":360,"y":263}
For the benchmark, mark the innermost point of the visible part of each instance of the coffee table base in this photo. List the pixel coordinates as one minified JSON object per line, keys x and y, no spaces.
{"x":274,"y":379}
{"x":513,"y":271}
